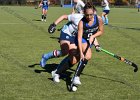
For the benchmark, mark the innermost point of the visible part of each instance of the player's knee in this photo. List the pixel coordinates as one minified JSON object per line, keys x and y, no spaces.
{"x":73,"y":62}
{"x":65,"y":52}
{"x":88,"y":57}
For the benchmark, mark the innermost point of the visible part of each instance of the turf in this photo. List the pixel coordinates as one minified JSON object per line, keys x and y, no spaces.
{"x":24,"y":38}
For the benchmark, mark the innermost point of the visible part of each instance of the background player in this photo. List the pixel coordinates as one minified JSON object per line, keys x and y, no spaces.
{"x":78,"y":6}
{"x":44,"y":4}
{"x":106,"y":10}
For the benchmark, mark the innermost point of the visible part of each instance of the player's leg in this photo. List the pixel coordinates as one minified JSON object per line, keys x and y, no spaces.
{"x":42,"y":16}
{"x":87,"y":51}
{"x":64,"y":65}
{"x":47,"y":56}
{"x":103,"y":16}
{"x":106,"y":19}
{"x":45,"y":13}
{"x":138,"y":7}
{"x":64,"y":44}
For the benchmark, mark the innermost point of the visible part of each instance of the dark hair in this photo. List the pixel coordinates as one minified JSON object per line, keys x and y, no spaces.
{"x":89,"y":5}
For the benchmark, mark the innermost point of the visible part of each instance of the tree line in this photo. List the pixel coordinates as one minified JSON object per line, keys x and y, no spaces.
{"x":58,"y":2}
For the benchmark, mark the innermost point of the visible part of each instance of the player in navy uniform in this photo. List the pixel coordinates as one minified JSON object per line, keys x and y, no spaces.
{"x":90,"y":27}
{"x":44,"y":4}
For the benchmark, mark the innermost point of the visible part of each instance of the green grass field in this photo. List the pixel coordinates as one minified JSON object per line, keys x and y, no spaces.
{"x":23,"y":40}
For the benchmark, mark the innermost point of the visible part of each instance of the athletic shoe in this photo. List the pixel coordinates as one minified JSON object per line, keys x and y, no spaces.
{"x":76,"y":80}
{"x":42,"y":20}
{"x":55,"y":76}
{"x":43,"y":61}
{"x":45,"y":20}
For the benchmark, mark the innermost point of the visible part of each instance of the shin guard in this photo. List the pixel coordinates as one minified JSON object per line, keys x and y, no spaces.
{"x":81,"y":66}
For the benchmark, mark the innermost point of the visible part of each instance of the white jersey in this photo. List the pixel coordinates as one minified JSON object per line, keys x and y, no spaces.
{"x":71,"y":27}
{"x":79,"y":6}
{"x":107,"y":5}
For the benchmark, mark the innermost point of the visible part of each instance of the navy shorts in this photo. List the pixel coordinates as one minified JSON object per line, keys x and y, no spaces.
{"x":138,"y":5}
{"x":71,"y":39}
{"x":45,"y":7}
{"x":65,"y":36}
{"x":83,"y":41}
{"x":106,"y":11}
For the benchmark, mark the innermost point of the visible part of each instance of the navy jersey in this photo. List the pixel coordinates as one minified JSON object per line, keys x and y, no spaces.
{"x":90,"y":30}
{"x":45,"y":2}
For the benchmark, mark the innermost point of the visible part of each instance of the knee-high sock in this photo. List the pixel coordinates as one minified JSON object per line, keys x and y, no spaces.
{"x":42,"y":16}
{"x":45,"y":17}
{"x":106,"y":20}
{"x":64,"y":65}
{"x":53,"y":54}
{"x":103,"y":18}
{"x":81,"y":67}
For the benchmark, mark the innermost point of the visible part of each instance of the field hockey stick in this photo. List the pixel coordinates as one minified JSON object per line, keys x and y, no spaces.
{"x":121,"y":59}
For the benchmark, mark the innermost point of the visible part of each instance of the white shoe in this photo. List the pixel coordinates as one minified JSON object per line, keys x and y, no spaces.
{"x":76,"y":80}
{"x":42,"y":20}
{"x":55,"y":76}
{"x":45,"y":20}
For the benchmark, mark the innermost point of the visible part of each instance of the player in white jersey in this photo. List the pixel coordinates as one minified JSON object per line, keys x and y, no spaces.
{"x":106,"y":10}
{"x":138,"y":5}
{"x":67,"y":36}
{"x":78,"y":6}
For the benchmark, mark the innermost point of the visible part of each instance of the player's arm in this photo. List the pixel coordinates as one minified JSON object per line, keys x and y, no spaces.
{"x":48,"y":2}
{"x":60,"y":19}
{"x":52,"y":26}
{"x":103,"y":4}
{"x":99,"y":32}
{"x":80,"y":34}
{"x":40,"y":4}
{"x":82,"y":4}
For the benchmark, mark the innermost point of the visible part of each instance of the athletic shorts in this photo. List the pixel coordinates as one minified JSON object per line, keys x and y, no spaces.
{"x":83,"y":41}
{"x":71,"y":39}
{"x":138,"y":5}
{"x":106,"y":11}
{"x":45,"y":7}
{"x":65,"y":36}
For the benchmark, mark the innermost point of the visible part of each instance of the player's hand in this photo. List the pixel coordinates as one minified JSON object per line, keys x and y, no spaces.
{"x":91,"y":39}
{"x":82,"y":57}
{"x":52,"y":28}
{"x":98,"y":48}
{"x":40,"y":5}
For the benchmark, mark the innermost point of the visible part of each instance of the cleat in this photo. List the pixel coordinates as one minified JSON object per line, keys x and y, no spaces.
{"x":55,"y":76}
{"x":76,"y":81}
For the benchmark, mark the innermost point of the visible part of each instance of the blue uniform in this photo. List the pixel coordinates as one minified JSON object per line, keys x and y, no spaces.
{"x":45,"y":4}
{"x":89,"y":30}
